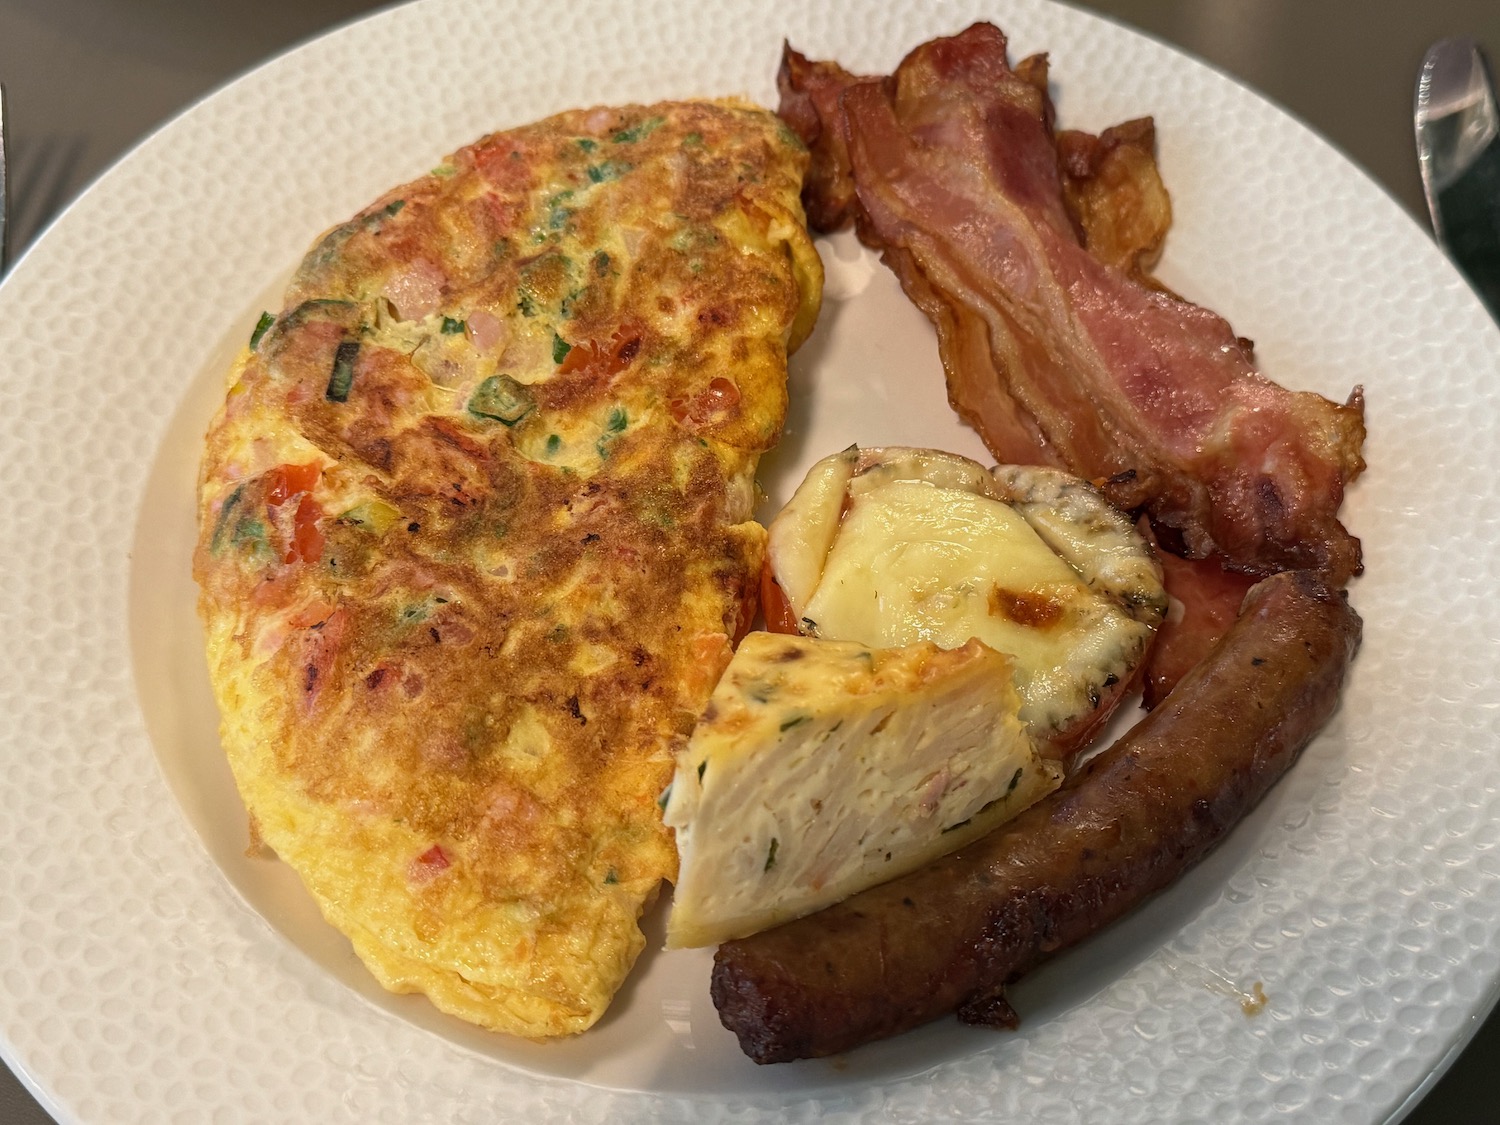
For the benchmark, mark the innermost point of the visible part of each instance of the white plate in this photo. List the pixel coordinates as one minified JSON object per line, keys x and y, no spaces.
{"x":149,"y":972}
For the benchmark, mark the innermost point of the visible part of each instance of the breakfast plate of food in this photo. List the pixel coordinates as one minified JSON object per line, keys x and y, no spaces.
{"x":913,"y":563}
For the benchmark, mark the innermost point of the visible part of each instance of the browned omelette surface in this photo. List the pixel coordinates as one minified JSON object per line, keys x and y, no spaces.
{"x":475,"y":538}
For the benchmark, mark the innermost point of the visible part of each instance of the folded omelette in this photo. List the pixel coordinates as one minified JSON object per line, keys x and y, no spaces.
{"x":475,"y":539}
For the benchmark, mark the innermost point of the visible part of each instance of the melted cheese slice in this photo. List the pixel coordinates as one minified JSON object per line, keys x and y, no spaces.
{"x":822,"y":767}
{"x":917,"y":562}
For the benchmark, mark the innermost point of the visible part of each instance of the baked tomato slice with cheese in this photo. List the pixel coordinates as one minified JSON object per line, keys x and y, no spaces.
{"x":897,"y":546}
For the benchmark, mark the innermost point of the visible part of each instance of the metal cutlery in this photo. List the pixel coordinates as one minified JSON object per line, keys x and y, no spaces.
{"x":36,"y":180}
{"x":4,"y":187}
{"x":1458,"y":151}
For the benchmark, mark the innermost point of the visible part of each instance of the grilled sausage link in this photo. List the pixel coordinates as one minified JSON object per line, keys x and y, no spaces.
{"x":951,"y":936}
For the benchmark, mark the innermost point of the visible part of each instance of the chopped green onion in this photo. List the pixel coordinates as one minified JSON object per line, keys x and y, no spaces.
{"x":222,"y":522}
{"x":502,"y":398}
{"x":252,"y":535}
{"x":607,"y":170}
{"x":636,"y":132}
{"x":265,"y":321}
{"x":342,"y":377}
{"x":325,"y":308}
{"x":451,"y":327}
{"x":558,"y":213}
{"x":560,"y":348}
{"x":613,"y":428}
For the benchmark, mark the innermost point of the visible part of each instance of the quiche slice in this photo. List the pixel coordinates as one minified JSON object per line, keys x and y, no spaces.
{"x":475,"y":538}
{"x":820,"y":768}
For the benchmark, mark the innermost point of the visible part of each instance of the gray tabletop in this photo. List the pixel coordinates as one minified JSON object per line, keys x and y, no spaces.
{"x":86,"y":79}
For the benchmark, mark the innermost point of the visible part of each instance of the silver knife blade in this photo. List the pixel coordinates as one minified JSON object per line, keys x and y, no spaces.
{"x":4,"y":190}
{"x":1458,"y":152}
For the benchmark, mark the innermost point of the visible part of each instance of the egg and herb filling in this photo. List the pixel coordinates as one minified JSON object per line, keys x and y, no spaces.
{"x":820,"y":768}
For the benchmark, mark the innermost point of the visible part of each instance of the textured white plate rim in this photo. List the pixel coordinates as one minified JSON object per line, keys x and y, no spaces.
{"x":1456,"y":1048}
{"x":60,"y":1001}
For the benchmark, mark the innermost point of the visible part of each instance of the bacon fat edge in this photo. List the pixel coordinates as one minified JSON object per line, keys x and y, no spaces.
{"x":950,"y":167}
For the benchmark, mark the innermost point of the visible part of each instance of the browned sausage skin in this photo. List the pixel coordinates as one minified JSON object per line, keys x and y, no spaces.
{"x":951,"y":936}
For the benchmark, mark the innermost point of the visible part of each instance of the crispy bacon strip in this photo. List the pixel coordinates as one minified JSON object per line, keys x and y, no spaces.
{"x":1114,"y":193}
{"x":810,"y":106}
{"x":1058,"y":357}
